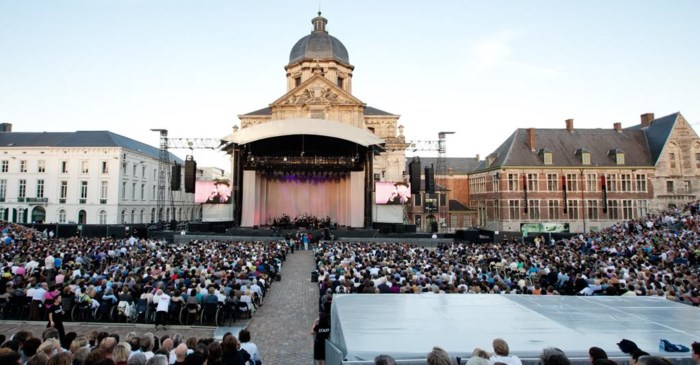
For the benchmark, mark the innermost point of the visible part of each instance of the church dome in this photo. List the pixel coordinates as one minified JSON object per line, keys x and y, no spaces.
{"x":319,"y":45}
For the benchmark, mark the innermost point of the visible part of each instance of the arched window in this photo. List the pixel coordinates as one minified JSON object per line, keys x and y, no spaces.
{"x":141,"y":216}
{"x":123,"y":217}
{"x":62,"y":216}
{"x":133,"y":216}
{"x":103,"y":217}
{"x":153,"y":215}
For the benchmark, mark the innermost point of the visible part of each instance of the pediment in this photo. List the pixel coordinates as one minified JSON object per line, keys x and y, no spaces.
{"x":317,"y":91}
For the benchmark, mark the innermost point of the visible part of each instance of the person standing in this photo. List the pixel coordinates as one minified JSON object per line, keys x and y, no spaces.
{"x":162,"y":301}
{"x":56,"y":318}
{"x":321,"y":331}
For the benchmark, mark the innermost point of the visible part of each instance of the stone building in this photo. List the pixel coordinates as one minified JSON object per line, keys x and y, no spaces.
{"x":585,"y":179}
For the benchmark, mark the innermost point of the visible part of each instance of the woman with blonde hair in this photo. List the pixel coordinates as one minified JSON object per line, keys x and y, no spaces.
{"x":121,"y":353}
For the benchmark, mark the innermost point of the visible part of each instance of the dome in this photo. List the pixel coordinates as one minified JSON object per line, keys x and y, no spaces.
{"x":319,"y":45}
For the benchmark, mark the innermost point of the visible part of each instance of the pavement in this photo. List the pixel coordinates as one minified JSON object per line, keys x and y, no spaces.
{"x":281,"y":328}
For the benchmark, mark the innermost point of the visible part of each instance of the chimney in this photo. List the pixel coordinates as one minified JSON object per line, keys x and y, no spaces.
{"x":477,"y":157}
{"x":531,"y":138}
{"x":647,"y":119}
{"x":617,"y":127}
{"x":570,"y":125}
{"x":5,"y":127}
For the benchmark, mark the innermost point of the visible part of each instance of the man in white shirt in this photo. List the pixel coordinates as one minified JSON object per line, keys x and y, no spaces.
{"x":162,"y":302}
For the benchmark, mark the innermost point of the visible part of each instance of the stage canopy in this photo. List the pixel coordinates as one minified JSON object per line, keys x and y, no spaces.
{"x":319,"y":127}
{"x":408,"y":326}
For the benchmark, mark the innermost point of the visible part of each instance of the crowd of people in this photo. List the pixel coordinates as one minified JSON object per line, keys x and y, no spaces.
{"x":657,"y":255}
{"x":101,"y":348}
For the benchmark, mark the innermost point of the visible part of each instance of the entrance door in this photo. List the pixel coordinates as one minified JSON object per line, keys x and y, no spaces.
{"x":38,"y":215}
{"x":82,"y":217}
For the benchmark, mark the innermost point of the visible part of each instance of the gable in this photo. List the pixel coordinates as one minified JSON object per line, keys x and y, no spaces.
{"x":317,"y":91}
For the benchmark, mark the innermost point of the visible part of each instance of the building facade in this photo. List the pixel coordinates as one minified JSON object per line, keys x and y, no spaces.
{"x":549,"y":180}
{"x":85,"y":177}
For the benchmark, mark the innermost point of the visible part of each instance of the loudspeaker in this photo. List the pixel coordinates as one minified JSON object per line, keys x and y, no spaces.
{"x":190,"y":175}
{"x":429,"y":180}
{"x":175,"y":177}
{"x":414,"y":174}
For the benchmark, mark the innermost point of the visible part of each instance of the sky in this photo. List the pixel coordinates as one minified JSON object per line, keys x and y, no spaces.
{"x":479,"y":68}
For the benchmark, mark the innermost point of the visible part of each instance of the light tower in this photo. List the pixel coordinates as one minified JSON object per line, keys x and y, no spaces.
{"x":441,"y":175}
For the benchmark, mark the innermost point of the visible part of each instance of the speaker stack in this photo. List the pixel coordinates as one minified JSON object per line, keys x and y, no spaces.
{"x":429,"y":179}
{"x":190,"y":174}
{"x":175,"y":177}
{"x":414,"y":174}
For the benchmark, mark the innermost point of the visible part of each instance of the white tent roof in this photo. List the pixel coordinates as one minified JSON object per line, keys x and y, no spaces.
{"x":407,"y":326}
{"x":319,"y":127}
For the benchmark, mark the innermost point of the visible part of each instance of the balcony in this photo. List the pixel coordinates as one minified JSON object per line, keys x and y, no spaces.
{"x":103,"y":201}
{"x":82,"y":201}
{"x":2,"y":200}
{"x":62,"y":201}
{"x":21,"y":200}
{"x":37,"y":201}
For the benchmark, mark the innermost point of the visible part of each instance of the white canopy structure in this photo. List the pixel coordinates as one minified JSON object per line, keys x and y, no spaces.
{"x":407,"y":326}
{"x":318,"y":127}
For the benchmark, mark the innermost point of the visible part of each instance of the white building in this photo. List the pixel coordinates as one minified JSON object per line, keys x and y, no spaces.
{"x":86,"y":177}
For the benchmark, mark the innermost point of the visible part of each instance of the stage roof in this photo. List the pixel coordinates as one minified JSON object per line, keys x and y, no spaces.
{"x":407,"y":326}
{"x":319,"y":127}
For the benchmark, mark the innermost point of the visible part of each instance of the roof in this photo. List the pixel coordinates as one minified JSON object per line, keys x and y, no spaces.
{"x":564,"y":143}
{"x":457,"y":206}
{"x":455,"y":165}
{"x":78,"y":139}
{"x":319,"y":45}
{"x":657,"y":134}
{"x":374,"y":111}
{"x":263,"y":111}
{"x":318,"y":127}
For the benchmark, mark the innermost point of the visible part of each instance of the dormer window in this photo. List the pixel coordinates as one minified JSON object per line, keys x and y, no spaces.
{"x":584,"y":155}
{"x":490,"y":159}
{"x":618,"y":155}
{"x":546,"y":156}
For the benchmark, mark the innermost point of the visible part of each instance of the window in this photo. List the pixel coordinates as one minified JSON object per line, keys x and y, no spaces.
{"x":23,"y":166}
{"x":40,"y":188}
{"x":641,"y":182}
{"x":613,"y":210}
{"x":132,"y":219}
{"x":553,"y":209}
{"x":153,"y":215}
{"x":297,"y":81}
{"x":125,"y":165}
{"x":495,"y":181}
{"x":514,"y":209}
{"x":592,"y":182}
{"x":552,"y":182}
{"x":41,"y":166}
{"x":534,"y":211}
{"x":143,"y":191}
{"x":697,"y":159}
{"x":22,"y":189}
{"x":153,"y":193}
{"x":592,"y":207}
{"x":532,"y":183}
{"x":84,"y":167}
{"x":134,"y":171}
{"x":64,"y":167}
{"x":513,"y":182}
{"x":547,"y":158}
{"x":5,"y":166}
{"x":63,"y":191}
{"x":3,"y":190}
{"x":143,"y":171}
{"x":627,"y":209}
{"x":133,"y":194}
{"x":123,"y":190}
{"x":687,"y":187}
{"x":571,"y":182}
{"x":340,"y":82}
{"x":103,"y":217}
{"x":104,"y":191}
{"x":61,"y":216}
{"x":625,"y":182}
{"x":611,"y":182}
{"x":620,"y":158}
{"x":669,"y":186}
{"x":496,"y":209}
{"x":573,"y":209}
{"x":105,"y":167}
{"x":123,"y":216}
{"x":585,"y":158}
{"x":672,"y":159}
{"x":141,"y":216}
{"x":83,"y":191}
{"x":642,"y":209}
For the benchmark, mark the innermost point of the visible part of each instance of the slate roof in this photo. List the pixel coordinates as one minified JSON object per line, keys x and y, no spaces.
{"x":457,"y":206}
{"x":642,"y":146}
{"x":78,"y":139}
{"x":657,"y":134}
{"x":263,"y":111}
{"x":459,"y":165}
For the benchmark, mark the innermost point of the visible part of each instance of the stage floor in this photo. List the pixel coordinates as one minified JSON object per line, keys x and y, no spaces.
{"x":408,"y":326}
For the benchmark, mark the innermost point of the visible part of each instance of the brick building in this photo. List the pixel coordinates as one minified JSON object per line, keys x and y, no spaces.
{"x":586,"y":179}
